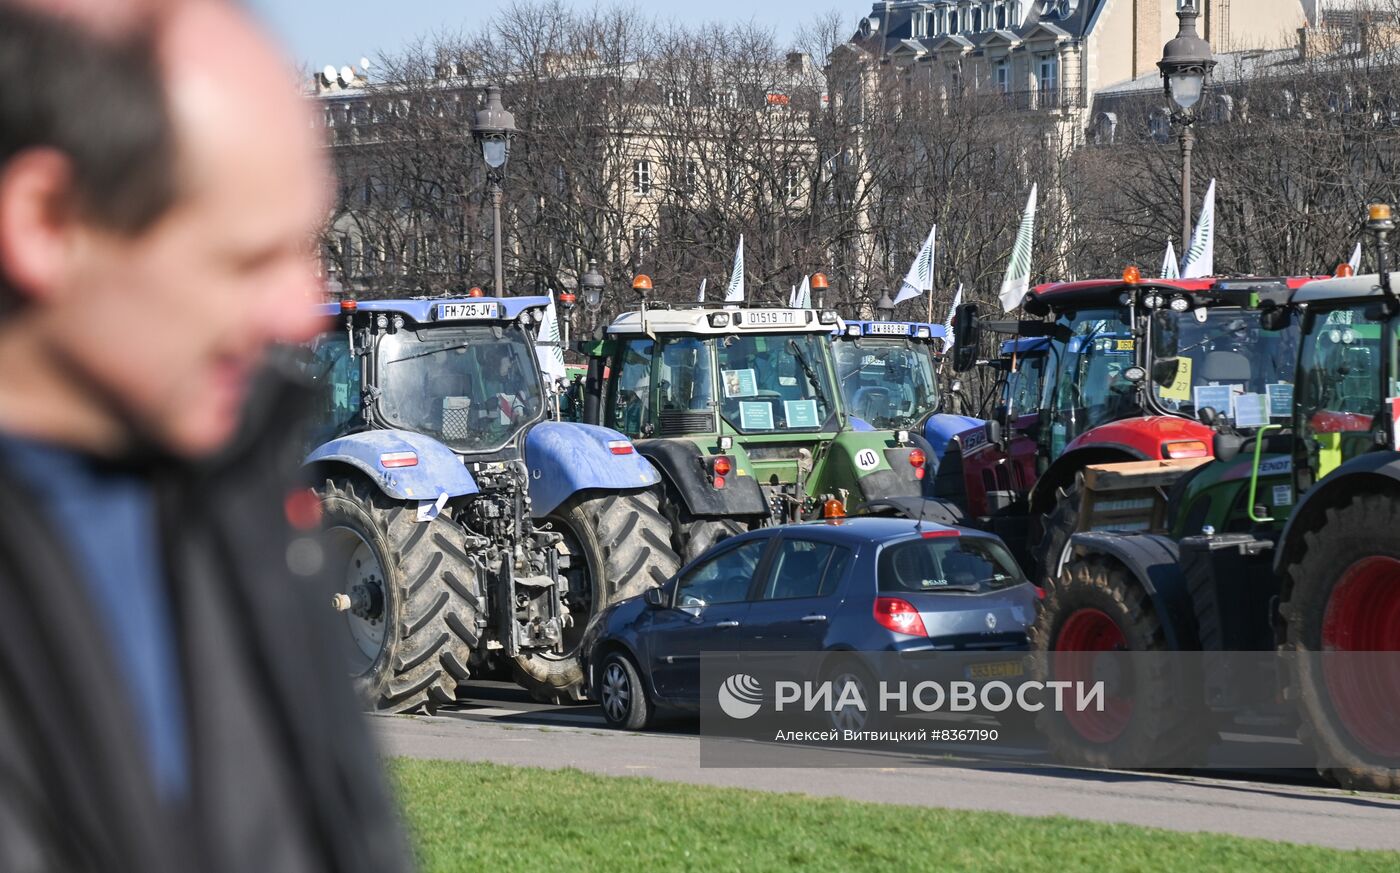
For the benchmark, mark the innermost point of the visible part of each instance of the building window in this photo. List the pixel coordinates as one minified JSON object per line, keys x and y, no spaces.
{"x":1047,"y":83}
{"x":1004,"y":77}
{"x":1001,"y":16}
{"x":792,"y":182}
{"x":641,"y":178}
{"x":918,"y":25}
{"x":692,"y":175}
{"x":976,"y":15}
{"x":642,"y":240}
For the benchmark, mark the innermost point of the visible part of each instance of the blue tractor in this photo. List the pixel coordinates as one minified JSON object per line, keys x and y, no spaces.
{"x":889,"y":377}
{"x":464,"y":526}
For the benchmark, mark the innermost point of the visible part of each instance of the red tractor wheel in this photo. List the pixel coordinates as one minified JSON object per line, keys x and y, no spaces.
{"x":1345,"y":598}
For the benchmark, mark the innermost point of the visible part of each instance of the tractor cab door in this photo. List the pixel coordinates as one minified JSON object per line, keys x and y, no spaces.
{"x":1341,"y":382}
{"x":1088,"y":386}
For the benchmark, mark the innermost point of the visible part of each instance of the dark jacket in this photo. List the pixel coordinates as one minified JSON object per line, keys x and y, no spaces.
{"x":283,"y":773}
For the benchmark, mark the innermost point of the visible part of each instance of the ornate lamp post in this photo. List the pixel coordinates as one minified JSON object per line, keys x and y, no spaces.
{"x":1186,"y":63}
{"x":884,"y":307}
{"x":493,"y":128}
{"x":592,"y":284}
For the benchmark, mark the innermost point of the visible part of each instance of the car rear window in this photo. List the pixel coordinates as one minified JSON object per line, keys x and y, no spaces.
{"x":946,"y":563}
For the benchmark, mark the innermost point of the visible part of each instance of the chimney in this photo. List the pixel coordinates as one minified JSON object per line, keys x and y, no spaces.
{"x":1303,"y":44}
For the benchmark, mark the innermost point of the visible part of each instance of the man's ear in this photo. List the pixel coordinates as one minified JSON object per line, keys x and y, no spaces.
{"x":37,"y":221}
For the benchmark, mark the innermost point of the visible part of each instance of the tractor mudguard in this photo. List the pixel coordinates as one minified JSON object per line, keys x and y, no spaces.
{"x":437,"y":470}
{"x":1061,"y":472}
{"x":1154,"y":561}
{"x":682,"y":464}
{"x":565,"y":458}
{"x":941,"y":427}
{"x":923,"y":509}
{"x":1335,"y":489}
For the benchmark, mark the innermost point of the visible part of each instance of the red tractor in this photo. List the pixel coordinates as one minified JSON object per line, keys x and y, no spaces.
{"x":1107,"y":397}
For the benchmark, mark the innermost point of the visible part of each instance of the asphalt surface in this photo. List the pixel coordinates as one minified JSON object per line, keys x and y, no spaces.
{"x":496,"y":722}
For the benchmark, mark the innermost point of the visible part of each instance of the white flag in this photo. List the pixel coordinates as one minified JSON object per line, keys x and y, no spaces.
{"x":920,"y":276}
{"x":1200,"y":257}
{"x":1018,"y":270}
{"x":547,"y":344}
{"x":1355,"y":259}
{"x":804,"y":293}
{"x":700,"y":298}
{"x":735,"y":292}
{"x":1170,"y":268}
{"x":949,"y":337}
{"x":792,"y":297}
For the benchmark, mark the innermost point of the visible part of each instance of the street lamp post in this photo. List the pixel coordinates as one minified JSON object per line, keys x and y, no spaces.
{"x":1186,"y":63}
{"x":884,"y":307}
{"x":567,"y":300}
{"x":493,"y":128}
{"x":592,"y":284}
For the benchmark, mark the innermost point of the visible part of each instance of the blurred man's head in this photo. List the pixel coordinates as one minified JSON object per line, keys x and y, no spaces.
{"x":160,"y":191}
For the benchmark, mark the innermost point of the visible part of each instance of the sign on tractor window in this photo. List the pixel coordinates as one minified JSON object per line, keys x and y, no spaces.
{"x":755,"y":415}
{"x":740,"y":383}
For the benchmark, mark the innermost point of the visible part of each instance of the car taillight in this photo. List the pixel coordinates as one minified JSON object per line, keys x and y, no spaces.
{"x":1186,"y":449}
{"x":620,"y":447}
{"x":389,"y":460}
{"x":916,"y":460}
{"x":899,"y":615}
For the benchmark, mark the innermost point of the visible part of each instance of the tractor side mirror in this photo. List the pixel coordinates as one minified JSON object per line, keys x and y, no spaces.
{"x":1275,"y":318}
{"x":1165,"y":337}
{"x":968,"y":332}
{"x":992,"y":428}
{"x":1164,"y":371}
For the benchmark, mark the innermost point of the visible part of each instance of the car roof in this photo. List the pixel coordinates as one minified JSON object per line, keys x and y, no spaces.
{"x":1344,"y":288}
{"x":858,"y":530}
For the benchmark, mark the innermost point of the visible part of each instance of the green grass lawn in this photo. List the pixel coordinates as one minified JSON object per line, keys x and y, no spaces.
{"x":475,"y":817}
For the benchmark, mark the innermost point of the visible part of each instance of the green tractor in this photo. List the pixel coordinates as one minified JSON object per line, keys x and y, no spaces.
{"x":1288,"y":541}
{"x":739,"y":410}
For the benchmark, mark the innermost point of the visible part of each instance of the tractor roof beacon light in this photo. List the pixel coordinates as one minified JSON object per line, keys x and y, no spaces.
{"x":592,"y":284}
{"x":474,"y":292}
{"x":642,"y":285}
{"x":1186,"y":61}
{"x":884,"y":307}
{"x":819,"y":285}
{"x":1132,"y":275}
{"x":1344,"y":271}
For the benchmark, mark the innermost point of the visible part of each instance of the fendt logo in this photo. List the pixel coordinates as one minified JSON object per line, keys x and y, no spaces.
{"x":740,"y":696}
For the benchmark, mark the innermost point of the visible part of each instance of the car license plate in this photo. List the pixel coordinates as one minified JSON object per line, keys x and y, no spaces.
{"x":893,"y":329}
{"x":770,"y":318}
{"x":996,"y":670}
{"x":457,"y":311}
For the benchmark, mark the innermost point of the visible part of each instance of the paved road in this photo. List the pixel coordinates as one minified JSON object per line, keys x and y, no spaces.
{"x":497,"y":723}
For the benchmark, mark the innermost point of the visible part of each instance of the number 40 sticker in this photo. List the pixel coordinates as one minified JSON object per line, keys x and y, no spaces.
{"x":866,"y":459}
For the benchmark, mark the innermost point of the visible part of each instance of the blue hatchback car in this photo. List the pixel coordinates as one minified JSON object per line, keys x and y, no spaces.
{"x":856,"y":584}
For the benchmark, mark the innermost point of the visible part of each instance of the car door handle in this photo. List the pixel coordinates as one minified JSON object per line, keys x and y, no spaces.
{"x":813,"y":618}
{"x":726,"y":624}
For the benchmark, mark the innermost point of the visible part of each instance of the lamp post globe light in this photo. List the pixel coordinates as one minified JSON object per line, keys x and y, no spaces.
{"x":1186,"y":64}
{"x":884,"y":307}
{"x":592,"y":284}
{"x":493,"y":128}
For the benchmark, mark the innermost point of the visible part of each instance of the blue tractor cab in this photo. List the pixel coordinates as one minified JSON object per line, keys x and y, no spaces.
{"x":463,"y":525}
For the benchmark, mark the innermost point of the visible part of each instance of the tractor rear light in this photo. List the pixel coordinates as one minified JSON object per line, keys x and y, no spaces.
{"x":900,"y":616}
{"x":718,"y":483}
{"x":833,"y":508}
{"x":1039,"y":592}
{"x":916,"y":460}
{"x":1344,"y":271}
{"x":721,"y":466}
{"x":620,"y":447}
{"x":1186,"y":449}
{"x":390,"y":460}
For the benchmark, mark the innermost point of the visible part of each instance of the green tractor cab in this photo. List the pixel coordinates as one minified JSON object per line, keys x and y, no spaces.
{"x":740,"y":411}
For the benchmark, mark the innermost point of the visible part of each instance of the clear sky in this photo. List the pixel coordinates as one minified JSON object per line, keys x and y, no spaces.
{"x":342,"y":31}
